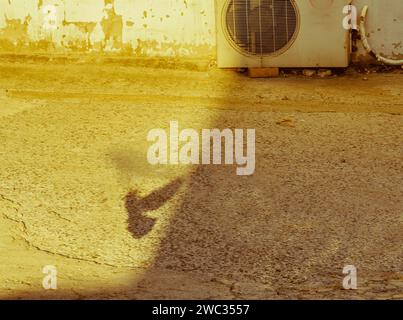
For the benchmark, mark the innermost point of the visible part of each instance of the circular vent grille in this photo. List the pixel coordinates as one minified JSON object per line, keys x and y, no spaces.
{"x":261,"y":27}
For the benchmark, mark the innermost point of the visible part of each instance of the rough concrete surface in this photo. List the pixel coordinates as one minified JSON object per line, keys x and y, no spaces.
{"x":77,"y":192}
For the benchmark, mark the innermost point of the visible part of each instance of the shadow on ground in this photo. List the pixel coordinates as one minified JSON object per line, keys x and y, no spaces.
{"x":137,"y":207}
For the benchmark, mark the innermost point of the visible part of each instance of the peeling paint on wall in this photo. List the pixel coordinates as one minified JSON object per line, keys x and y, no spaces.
{"x":142,"y":27}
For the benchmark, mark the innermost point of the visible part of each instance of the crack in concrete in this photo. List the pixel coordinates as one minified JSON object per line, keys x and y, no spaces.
{"x":29,"y":242}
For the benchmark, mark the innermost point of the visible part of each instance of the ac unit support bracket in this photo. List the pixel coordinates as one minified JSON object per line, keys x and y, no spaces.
{"x":263,"y":72}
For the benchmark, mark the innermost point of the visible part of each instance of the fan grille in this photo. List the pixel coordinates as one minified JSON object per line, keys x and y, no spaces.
{"x":261,"y":27}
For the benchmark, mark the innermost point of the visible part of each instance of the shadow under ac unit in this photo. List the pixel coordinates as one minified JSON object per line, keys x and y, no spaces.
{"x":281,"y":33}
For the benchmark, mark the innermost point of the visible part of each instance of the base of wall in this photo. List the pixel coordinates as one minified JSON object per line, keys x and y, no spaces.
{"x":197,"y":64}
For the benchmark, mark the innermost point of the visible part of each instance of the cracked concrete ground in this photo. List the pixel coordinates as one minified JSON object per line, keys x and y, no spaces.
{"x":327,"y":191}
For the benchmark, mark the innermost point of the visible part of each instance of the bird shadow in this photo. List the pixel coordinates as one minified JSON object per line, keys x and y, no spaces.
{"x":139,"y":224}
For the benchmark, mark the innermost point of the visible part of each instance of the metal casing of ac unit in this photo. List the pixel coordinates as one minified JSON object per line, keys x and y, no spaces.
{"x":319,"y":39}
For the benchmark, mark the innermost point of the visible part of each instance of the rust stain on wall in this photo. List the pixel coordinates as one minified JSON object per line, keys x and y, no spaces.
{"x":14,"y":35}
{"x":384,"y":27}
{"x":112,"y":26}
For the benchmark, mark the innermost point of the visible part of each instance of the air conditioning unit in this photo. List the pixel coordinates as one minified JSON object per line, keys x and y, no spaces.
{"x":281,"y":33}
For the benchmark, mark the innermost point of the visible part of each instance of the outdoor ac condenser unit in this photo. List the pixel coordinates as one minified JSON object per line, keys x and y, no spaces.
{"x":281,"y":33}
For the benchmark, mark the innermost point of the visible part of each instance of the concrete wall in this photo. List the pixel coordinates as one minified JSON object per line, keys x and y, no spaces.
{"x":142,"y":27}
{"x":175,"y":28}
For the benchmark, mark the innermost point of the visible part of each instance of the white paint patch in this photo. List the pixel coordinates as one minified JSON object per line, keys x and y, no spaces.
{"x":84,"y":10}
